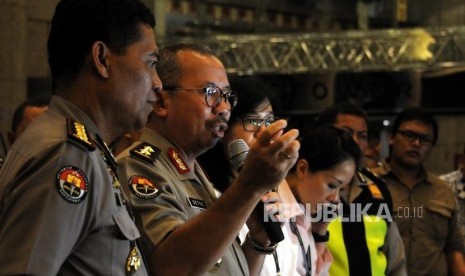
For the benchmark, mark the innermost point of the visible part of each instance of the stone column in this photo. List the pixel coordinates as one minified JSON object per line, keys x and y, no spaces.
{"x":13,"y":79}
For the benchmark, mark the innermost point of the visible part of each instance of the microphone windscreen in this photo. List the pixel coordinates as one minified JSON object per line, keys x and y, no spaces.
{"x":237,"y":153}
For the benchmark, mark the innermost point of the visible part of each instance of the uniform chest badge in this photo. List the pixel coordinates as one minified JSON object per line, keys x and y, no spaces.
{"x":72,"y":184}
{"x":176,"y":159}
{"x":142,"y":187}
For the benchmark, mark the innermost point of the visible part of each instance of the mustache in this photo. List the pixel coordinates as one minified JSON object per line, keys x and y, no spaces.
{"x":218,"y":121}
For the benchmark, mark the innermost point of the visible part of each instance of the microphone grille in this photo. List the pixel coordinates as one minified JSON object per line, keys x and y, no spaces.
{"x":237,"y":152}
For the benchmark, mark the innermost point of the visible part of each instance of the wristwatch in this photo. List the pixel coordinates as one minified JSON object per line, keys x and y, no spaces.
{"x":320,"y":238}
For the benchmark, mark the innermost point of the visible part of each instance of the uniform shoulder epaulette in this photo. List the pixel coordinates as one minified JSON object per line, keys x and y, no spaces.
{"x":373,"y":183}
{"x":145,"y":152}
{"x":78,"y":133}
{"x":375,"y":191}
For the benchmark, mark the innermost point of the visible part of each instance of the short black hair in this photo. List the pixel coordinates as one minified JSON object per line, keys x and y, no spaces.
{"x":251,"y":92}
{"x":18,"y":115}
{"x":416,"y":114}
{"x":326,"y":147}
{"x":77,"y":24}
{"x":328,"y":116}
{"x":169,"y":66}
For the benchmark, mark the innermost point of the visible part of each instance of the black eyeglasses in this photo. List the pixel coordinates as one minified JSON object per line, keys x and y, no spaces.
{"x":213,"y":95}
{"x":412,"y":136}
{"x":252,"y":124}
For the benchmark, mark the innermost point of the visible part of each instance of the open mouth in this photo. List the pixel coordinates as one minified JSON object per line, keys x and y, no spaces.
{"x":220,"y":129}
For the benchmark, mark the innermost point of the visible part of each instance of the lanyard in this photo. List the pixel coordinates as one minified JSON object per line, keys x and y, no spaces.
{"x":306,"y":256}
{"x":276,"y":262}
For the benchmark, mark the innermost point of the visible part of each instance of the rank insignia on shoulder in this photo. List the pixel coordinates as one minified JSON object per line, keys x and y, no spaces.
{"x":78,"y":133}
{"x":72,"y":184}
{"x":176,"y":159}
{"x":145,"y":152}
{"x":375,"y":192}
{"x":197,"y":203}
{"x":143,"y":187}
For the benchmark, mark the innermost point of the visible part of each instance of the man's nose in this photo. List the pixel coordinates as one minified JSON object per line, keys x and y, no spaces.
{"x":223,"y":109}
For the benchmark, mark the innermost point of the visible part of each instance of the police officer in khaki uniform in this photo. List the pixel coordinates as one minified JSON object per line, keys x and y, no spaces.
{"x":371,"y":245}
{"x":186,"y":229}
{"x":61,"y":206}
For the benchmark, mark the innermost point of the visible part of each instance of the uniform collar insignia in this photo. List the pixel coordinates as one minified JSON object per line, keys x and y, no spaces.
{"x":178,"y":161}
{"x":145,"y":152}
{"x":78,"y":133}
{"x":107,"y":155}
{"x":361,"y":177}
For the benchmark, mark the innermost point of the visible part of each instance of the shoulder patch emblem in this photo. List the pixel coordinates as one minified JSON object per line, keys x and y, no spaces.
{"x":176,"y":159}
{"x":143,"y":187}
{"x":77,"y":132}
{"x":145,"y":152}
{"x":72,"y":184}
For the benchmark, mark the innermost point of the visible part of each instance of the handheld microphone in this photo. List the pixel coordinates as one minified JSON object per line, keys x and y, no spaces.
{"x":237,"y":153}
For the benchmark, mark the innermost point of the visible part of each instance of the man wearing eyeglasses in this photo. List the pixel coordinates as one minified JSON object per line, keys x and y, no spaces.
{"x":424,"y":207}
{"x":185,"y":229}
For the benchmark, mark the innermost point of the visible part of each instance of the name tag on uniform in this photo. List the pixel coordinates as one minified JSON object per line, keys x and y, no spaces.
{"x":197,"y":203}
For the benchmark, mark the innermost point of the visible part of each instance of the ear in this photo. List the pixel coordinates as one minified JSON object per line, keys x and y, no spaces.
{"x":301,"y":168}
{"x":162,"y":99}
{"x":100,"y":58}
{"x":391,"y":139}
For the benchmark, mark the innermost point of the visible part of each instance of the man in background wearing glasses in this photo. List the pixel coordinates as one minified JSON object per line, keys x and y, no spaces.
{"x":185,"y":229}
{"x":424,"y":207}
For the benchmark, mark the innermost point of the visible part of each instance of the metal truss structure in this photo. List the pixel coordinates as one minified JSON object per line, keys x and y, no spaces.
{"x":377,"y":50}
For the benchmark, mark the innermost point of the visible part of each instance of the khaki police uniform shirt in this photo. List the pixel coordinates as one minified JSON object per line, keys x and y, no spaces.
{"x":58,"y":209}
{"x":427,"y":219}
{"x":166,"y":193}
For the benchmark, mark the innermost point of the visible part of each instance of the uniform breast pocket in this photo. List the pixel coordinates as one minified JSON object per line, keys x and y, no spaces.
{"x":126,"y":229}
{"x":438,"y":216}
{"x":123,"y":245}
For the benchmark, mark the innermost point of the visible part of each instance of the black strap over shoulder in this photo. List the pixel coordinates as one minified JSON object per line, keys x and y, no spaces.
{"x":354,"y":236}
